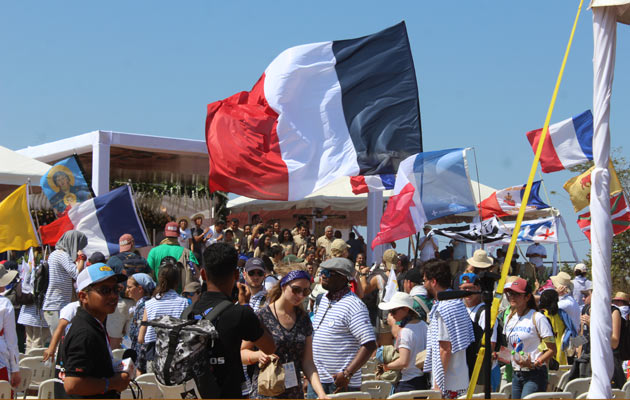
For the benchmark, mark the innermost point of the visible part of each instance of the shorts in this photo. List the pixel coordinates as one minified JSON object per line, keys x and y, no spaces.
{"x":118,"y":321}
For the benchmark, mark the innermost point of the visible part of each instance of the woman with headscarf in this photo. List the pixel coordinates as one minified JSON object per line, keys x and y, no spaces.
{"x":140,"y":286}
{"x":64,"y":265}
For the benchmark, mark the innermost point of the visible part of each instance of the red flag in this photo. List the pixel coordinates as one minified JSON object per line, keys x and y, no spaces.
{"x":619,"y":214}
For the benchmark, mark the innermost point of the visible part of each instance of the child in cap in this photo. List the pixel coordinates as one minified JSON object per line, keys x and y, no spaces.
{"x":85,"y":356}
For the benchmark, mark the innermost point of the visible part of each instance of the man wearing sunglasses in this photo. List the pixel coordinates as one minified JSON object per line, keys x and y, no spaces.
{"x":85,"y":354}
{"x":253,"y":288}
{"x":343,"y":338}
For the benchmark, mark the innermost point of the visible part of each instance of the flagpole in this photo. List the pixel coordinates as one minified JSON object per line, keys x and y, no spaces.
{"x":28,"y":205}
{"x":478,"y":188}
{"x":133,"y":198}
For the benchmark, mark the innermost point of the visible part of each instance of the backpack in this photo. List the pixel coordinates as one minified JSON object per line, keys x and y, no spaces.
{"x":372,"y":299}
{"x":622,"y":352}
{"x":186,"y":353}
{"x":40,"y":285}
{"x":473,"y":349}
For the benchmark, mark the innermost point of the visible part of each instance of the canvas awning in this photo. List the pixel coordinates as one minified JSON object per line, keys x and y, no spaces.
{"x":17,"y":169}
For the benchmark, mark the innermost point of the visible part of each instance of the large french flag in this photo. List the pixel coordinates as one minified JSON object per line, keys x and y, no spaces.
{"x":428,"y":186}
{"x":569,"y":143}
{"x":372,"y":183}
{"x":103,"y":219}
{"x":508,"y":201}
{"x":320,"y":111}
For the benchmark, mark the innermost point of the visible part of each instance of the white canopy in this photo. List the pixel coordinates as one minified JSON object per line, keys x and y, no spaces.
{"x":17,"y":169}
{"x":336,"y":196}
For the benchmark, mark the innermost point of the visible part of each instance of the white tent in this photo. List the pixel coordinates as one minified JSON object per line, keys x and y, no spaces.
{"x":606,"y":14}
{"x":17,"y":169}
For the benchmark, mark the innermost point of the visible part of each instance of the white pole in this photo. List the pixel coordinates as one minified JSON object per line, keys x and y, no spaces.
{"x":374,"y":214}
{"x":100,"y":163}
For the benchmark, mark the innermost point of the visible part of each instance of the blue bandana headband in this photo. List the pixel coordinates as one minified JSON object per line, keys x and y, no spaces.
{"x":293,"y":275}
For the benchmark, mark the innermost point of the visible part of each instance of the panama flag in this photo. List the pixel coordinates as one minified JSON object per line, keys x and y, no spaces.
{"x":372,"y":183}
{"x":103,"y":219}
{"x":508,"y":201}
{"x":319,"y":112}
{"x":428,"y":186}
{"x":619,"y":216}
{"x":568,"y":143}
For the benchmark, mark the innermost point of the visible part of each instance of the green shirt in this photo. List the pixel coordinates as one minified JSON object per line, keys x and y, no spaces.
{"x":158,"y":253}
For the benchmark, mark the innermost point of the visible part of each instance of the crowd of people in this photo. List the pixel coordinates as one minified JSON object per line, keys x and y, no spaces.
{"x":307,"y":304}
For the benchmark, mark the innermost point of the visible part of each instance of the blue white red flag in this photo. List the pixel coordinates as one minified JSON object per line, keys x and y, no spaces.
{"x":568,"y":143}
{"x":103,"y":219}
{"x":319,"y":112}
{"x":428,"y":186}
{"x":508,"y":201}
{"x":543,"y":230}
{"x":372,"y":183}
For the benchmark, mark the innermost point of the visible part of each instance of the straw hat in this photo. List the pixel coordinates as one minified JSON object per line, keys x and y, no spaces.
{"x":621,"y":296}
{"x":562,"y":279}
{"x":390,"y":258}
{"x":6,"y":277}
{"x":480,"y":259}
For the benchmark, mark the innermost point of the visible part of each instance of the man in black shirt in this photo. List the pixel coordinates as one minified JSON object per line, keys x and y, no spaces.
{"x":85,"y":357}
{"x":235,"y":324}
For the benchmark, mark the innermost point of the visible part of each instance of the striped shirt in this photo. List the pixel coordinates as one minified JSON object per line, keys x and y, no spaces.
{"x":340,"y":328}
{"x":61,"y":272}
{"x":257,"y":300}
{"x":170,"y":303}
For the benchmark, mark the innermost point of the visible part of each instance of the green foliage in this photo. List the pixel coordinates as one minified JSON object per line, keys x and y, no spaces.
{"x":620,"y":259}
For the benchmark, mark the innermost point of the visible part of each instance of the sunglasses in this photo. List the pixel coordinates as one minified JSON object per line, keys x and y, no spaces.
{"x":256,"y":272}
{"x":105,"y":290}
{"x":510,"y":293}
{"x":327,"y":273}
{"x":297,"y":290}
{"x":189,"y":295}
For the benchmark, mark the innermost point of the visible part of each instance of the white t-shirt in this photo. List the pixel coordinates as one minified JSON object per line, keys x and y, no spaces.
{"x":212,"y":236}
{"x":536,"y":248}
{"x":184,"y":238}
{"x":270,"y":282}
{"x":456,"y":376}
{"x":428,"y":251}
{"x":414,"y":338}
{"x":522,"y":336}
{"x":69,"y":311}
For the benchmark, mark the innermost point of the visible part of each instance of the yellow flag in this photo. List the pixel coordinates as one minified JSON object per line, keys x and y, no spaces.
{"x":17,"y":231}
{"x":579,"y":187}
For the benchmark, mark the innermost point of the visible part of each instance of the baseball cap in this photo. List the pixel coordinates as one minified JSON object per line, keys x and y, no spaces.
{"x":96,"y":273}
{"x":414,"y":275}
{"x":520,"y":285}
{"x":254,"y":263}
{"x":338,"y":264}
{"x":338,"y":246}
{"x":468,"y":277}
{"x":171,"y":229}
{"x":96,"y":257}
{"x":579,"y":267}
{"x":390,"y":258}
{"x":292,"y":258}
{"x":125,"y":242}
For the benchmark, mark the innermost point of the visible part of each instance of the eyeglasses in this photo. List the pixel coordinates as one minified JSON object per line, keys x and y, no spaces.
{"x":256,"y":272}
{"x":297,"y":290}
{"x":327,"y":273}
{"x":105,"y":290}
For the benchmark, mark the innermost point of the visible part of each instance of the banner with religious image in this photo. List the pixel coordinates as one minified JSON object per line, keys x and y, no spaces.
{"x":65,"y":185}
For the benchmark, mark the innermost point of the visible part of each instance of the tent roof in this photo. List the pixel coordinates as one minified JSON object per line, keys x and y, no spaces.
{"x":337,"y":196}
{"x":17,"y":168}
{"x":623,"y":8}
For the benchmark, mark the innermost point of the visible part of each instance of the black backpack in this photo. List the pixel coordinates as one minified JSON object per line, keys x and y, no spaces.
{"x":473,"y":349}
{"x":186,"y":351}
{"x":40,"y":285}
{"x":623,"y":349}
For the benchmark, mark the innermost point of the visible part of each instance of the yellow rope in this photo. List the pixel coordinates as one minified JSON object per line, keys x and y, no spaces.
{"x":521,"y":212}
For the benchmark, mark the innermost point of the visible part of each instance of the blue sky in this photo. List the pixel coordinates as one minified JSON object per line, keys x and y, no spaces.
{"x":486,"y":69}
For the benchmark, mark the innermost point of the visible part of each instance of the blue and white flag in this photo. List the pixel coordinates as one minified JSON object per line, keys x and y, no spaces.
{"x":65,"y":185}
{"x":544,"y":230}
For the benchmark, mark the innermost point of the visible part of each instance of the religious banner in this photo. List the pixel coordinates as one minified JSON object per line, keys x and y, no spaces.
{"x":65,"y":185}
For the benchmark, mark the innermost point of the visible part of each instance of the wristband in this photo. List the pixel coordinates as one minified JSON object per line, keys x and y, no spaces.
{"x":346,"y":374}
{"x":106,"y":385}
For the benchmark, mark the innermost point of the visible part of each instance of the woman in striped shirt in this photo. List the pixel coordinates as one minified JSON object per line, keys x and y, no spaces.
{"x":165,"y":301}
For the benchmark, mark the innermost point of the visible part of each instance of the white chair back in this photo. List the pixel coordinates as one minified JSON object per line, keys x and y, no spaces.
{"x":40,"y":371}
{"x":550,"y":395}
{"x":148,"y":378}
{"x":617,"y":394}
{"x":5,"y":390}
{"x":118,"y":353}
{"x":577,"y":386}
{"x":564,"y":378}
{"x":417,"y":394}
{"x":493,"y":395}
{"x":507,"y":389}
{"x":377,"y":389}
{"x":350,"y":395}
{"x":26,"y":375}
{"x":368,"y":377}
{"x":46,"y":389}
{"x":626,"y":389}
{"x":178,"y":391}
{"x":126,"y":395}
{"x":150,"y":390}
{"x":36,"y":352}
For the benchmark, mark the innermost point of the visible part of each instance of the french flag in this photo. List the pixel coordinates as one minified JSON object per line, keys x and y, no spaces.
{"x":372,"y":183}
{"x":103,"y":219}
{"x":508,"y":201}
{"x":320,"y":111}
{"x":569,"y":143}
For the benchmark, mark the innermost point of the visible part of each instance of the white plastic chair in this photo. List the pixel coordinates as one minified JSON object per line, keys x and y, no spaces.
{"x":368,"y":377}
{"x":618,"y":394}
{"x":5,"y":390}
{"x":118,"y":353}
{"x":564,"y":379}
{"x":377,"y":389}
{"x":40,"y":371}
{"x":553,"y":379}
{"x":350,"y":395}
{"x":126,"y":394}
{"x":35,"y":352}
{"x":507,"y":389}
{"x":417,"y":394}
{"x":564,"y":367}
{"x":150,"y":390}
{"x":26,"y":374}
{"x":582,"y":396}
{"x":369,"y":367}
{"x":493,"y":395}
{"x":626,"y":389}
{"x":148,"y":378}
{"x":177,"y":391}
{"x":46,"y":389}
{"x":577,"y":386}
{"x":550,"y":395}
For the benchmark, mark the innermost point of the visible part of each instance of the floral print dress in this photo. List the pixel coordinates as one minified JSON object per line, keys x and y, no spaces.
{"x":290,"y":346}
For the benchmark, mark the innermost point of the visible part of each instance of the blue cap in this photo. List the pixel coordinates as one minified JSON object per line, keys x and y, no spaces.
{"x":96,"y":273}
{"x":468,"y":277}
